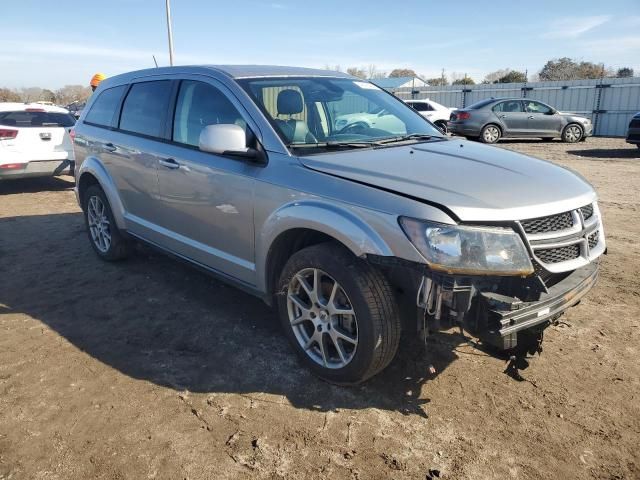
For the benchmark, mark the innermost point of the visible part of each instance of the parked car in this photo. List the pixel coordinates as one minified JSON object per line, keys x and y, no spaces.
{"x":633,"y":133}
{"x":376,"y":117}
{"x":34,"y":140}
{"x":495,"y":118}
{"x":355,"y":234}
{"x":437,"y":114}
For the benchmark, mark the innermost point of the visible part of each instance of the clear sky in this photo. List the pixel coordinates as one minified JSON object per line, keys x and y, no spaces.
{"x":53,"y":43}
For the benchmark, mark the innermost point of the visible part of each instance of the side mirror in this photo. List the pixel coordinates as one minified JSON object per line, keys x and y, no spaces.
{"x":553,"y":111}
{"x":228,"y":139}
{"x":223,"y":138}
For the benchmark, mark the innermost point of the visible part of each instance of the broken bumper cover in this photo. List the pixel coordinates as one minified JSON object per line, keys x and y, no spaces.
{"x":506,"y":316}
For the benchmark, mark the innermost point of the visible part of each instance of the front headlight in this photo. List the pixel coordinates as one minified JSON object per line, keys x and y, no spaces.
{"x":469,"y":250}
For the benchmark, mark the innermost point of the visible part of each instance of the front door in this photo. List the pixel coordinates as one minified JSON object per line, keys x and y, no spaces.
{"x":542,"y":120}
{"x":511,"y":114}
{"x":207,"y":199}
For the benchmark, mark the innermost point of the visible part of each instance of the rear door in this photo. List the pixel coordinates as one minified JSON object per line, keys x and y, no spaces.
{"x":541,"y":119}
{"x":512,"y":115}
{"x":41,"y":136}
{"x":134,"y":149}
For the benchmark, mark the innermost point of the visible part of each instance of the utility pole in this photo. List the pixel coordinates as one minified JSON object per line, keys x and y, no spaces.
{"x":169,"y":33}
{"x":443,"y":81}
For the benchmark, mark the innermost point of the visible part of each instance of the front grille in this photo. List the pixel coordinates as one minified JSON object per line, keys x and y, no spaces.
{"x":552,"y":223}
{"x":593,"y":239}
{"x":587,"y":211}
{"x":559,"y":254}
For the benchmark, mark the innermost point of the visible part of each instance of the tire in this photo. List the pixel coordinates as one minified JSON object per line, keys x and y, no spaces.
{"x":105,"y":237}
{"x":490,"y":133}
{"x":374,"y":321}
{"x":572,"y":133}
{"x":442,"y":125}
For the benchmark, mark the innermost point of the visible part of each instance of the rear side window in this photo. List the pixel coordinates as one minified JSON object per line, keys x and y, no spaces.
{"x":510,"y":106}
{"x":422,"y":107}
{"x":145,"y":107}
{"x":24,"y":119}
{"x":105,"y":106}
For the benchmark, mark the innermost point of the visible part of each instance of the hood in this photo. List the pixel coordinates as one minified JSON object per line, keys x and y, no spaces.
{"x":473,"y":181}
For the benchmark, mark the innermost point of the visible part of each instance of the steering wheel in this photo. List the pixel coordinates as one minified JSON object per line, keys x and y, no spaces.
{"x":356,"y":127}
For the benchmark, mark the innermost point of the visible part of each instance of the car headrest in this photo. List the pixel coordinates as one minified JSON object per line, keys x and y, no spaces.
{"x":289,"y":102}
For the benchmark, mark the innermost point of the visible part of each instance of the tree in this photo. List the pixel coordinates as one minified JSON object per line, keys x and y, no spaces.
{"x":48,"y":96}
{"x":373,"y":72}
{"x":357,"y":72}
{"x":437,"y":81}
{"x":513,"y":76}
{"x":463,"y":81}
{"x":567,"y":69}
{"x":624,"y":72}
{"x":402,"y":72}
{"x":7,"y":95}
{"x":71,"y":93}
{"x":493,"y":77}
{"x":31,"y":94}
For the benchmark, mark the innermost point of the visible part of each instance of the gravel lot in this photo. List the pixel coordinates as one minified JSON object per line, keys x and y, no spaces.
{"x":150,"y":369}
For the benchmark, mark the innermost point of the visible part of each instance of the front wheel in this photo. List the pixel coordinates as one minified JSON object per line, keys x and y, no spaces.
{"x":572,"y":133}
{"x":490,"y":134}
{"x":339,"y":314}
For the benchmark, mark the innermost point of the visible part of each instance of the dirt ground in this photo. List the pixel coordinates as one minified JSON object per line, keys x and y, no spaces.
{"x":150,"y":369}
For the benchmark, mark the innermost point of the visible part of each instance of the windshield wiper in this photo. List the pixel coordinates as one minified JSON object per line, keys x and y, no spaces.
{"x":403,"y":138}
{"x":334,"y":145}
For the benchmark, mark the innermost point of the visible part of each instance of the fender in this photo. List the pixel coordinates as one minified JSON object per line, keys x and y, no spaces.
{"x":338,"y":222}
{"x":94,"y":166}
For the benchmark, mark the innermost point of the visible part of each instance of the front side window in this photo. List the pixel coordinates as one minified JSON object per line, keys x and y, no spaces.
{"x":105,"y":106}
{"x":325,"y":111}
{"x":510,"y":106}
{"x":537,"y":107}
{"x":144,"y":108}
{"x":199,"y":105}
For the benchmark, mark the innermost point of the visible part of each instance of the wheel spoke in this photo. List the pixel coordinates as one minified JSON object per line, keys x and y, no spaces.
{"x":338,"y":347}
{"x":323,"y":349}
{"x":343,"y":336}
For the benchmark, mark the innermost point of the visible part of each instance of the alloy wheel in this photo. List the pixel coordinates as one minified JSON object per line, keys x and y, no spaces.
{"x":99,"y":225}
{"x":322,"y":318}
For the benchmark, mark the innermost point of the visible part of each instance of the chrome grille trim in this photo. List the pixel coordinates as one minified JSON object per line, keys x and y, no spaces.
{"x":569,"y":246}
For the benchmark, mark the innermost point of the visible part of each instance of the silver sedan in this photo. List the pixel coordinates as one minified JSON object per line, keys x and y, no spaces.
{"x":496,"y":118}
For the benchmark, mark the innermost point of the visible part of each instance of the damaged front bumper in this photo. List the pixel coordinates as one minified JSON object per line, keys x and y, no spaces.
{"x":499,"y":310}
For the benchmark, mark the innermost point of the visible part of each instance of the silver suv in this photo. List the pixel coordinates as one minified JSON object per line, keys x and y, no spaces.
{"x":357,"y":233}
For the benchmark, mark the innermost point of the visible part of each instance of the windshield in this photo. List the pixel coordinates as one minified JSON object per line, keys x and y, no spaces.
{"x":336,"y":112}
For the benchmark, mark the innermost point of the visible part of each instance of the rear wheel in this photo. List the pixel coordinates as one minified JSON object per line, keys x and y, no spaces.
{"x":442,"y":125}
{"x":490,"y":134}
{"x":572,"y":133}
{"x":105,"y":237}
{"x":339,"y":314}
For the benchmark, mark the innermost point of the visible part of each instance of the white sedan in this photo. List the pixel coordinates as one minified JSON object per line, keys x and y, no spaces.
{"x":35,"y":140}
{"x":436,"y":113}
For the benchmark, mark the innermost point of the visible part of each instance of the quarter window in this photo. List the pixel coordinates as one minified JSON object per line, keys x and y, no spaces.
{"x":105,"y":106}
{"x":199,"y":105}
{"x":144,"y":108}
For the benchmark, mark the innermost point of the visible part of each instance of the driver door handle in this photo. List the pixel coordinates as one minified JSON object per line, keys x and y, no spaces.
{"x":169,"y":163}
{"x":530,"y":117}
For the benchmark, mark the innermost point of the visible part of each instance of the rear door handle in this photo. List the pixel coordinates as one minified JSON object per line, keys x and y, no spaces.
{"x":502,"y":116}
{"x":530,"y":117}
{"x":169,"y":163}
{"x":110,"y":147}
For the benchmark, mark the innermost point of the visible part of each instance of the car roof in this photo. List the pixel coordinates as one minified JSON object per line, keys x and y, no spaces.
{"x":21,"y":107}
{"x":231,"y":71}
